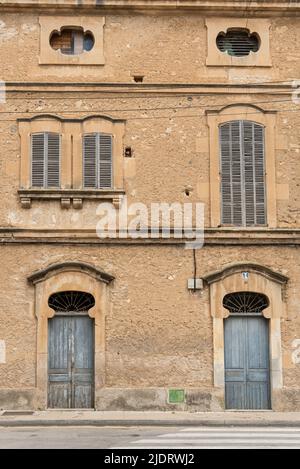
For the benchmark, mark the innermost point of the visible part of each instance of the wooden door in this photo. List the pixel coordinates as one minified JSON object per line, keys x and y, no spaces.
{"x":247,"y":367}
{"x":71,"y":362}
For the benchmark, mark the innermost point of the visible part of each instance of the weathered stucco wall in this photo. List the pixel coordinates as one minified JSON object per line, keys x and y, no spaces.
{"x":170,"y":152}
{"x":158,"y":334}
{"x":175,"y":48}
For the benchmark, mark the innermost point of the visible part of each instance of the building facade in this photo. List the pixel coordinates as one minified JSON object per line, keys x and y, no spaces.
{"x":149,"y":102}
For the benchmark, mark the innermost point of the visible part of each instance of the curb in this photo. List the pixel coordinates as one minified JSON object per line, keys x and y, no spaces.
{"x":147,"y":423}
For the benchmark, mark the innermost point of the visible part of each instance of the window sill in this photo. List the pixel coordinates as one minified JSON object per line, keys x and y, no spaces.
{"x":71,"y":197}
{"x":242,"y":227}
{"x":224,"y":60}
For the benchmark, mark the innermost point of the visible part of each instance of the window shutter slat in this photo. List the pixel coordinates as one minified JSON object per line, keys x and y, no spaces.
{"x":105,"y":161}
{"x":37,"y":160}
{"x":53,"y":160}
{"x":90,"y":161}
{"x":242,"y":174}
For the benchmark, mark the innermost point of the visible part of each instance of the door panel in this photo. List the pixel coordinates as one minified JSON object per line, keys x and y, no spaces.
{"x":58,"y":396}
{"x":235,"y":395}
{"x":59,"y":373}
{"x":58,"y":336}
{"x":247,"y":373}
{"x":71,"y":362}
{"x":83,"y":363}
{"x":258,"y":395}
{"x":235,"y":352}
{"x":257,"y":338}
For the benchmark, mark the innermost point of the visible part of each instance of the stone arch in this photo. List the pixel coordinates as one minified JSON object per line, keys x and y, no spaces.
{"x":253,"y":278}
{"x":67,"y":119}
{"x":67,"y":276}
{"x":240,"y":105}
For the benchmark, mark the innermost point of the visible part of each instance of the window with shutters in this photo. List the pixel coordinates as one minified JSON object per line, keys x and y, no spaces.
{"x":243,"y":195}
{"x":45,"y":160}
{"x":242,"y":167}
{"x":97,"y":161}
{"x":71,"y":160}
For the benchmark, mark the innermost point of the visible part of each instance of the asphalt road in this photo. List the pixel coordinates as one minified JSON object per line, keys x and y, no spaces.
{"x":148,"y":437}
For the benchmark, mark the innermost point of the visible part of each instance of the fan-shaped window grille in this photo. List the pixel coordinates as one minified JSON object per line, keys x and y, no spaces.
{"x":245,"y":303}
{"x":71,"y":302}
{"x":238,"y":42}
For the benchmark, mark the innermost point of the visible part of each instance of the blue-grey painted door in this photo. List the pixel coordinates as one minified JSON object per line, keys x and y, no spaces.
{"x":71,"y":362}
{"x":247,"y":364}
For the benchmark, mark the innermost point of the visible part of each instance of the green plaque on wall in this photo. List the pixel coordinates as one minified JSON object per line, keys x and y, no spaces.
{"x":176,"y":396}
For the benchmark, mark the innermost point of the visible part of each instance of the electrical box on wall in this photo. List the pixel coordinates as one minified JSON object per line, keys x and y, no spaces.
{"x":195,"y":284}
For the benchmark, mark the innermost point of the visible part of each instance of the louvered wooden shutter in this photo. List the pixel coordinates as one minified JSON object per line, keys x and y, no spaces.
{"x":38,"y":160}
{"x":97,"y":161}
{"x":105,"y":161}
{"x":53,"y":160}
{"x":45,"y":160}
{"x":259,"y":174}
{"x":242,"y":174}
{"x":90,"y":161}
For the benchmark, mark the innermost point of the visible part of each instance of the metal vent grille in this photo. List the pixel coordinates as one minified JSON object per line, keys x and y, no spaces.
{"x":245,"y":303}
{"x":238,"y":42}
{"x":71,"y":301}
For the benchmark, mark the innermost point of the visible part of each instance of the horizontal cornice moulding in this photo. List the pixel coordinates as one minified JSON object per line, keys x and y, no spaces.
{"x":213,"y":237}
{"x":212,"y":7}
{"x":160,"y":89}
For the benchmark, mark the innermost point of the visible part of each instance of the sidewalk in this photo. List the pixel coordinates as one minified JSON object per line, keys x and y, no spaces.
{"x":122,"y":419}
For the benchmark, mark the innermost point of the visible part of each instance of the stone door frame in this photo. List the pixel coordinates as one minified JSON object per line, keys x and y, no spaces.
{"x":69,"y":276}
{"x":258,"y":279}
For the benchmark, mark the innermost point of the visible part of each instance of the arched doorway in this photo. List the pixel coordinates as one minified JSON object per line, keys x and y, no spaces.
{"x":248,"y":277}
{"x":71,"y":351}
{"x":246,"y":351}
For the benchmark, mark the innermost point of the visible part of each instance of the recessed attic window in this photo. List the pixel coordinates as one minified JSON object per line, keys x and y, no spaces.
{"x":238,"y":42}
{"x":72,"y":41}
